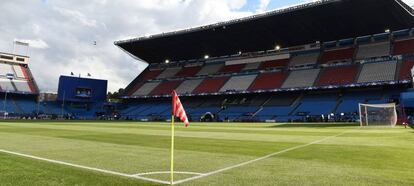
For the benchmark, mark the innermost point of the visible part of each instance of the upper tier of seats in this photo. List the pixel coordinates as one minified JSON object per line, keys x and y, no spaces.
{"x":210,"y":69}
{"x":165,"y":87}
{"x":372,"y":50}
{"x":16,"y":78}
{"x":304,"y":59}
{"x":266,"y":81}
{"x":301,"y":78}
{"x":233,"y":68}
{"x":281,"y":63}
{"x":238,"y":83}
{"x":188,"y":86}
{"x":403,"y":47}
{"x":188,"y":71}
{"x":337,"y":55}
{"x":299,"y":67}
{"x":405,"y":70}
{"x":341,"y":75}
{"x":211,"y":85}
{"x":373,"y":72}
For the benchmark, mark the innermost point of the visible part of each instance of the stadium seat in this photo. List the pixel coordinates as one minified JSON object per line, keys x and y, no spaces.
{"x":268,"y":81}
{"x":169,"y":73}
{"x":146,"y":89}
{"x":238,"y":83}
{"x":232,"y":68}
{"x":402,"y":47}
{"x":188,"y":86}
{"x":188,"y":71}
{"x":19,"y":71}
{"x":211,"y":85}
{"x":338,"y":75}
{"x":326,"y":104}
{"x":374,"y":72}
{"x":381,"y":49}
{"x":301,"y":78}
{"x":251,"y":66}
{"x":281,"y":63}
{"x":165,"y":87}
{"x":210,"y":69}
{"x":405,"y":70}
{"x":22,"y":86}
{"x":337,"y":55}
{"x":6,"y":85}
{"x":143,"y":77}
{"x":5,"y":69}
{"x":304,"y":59}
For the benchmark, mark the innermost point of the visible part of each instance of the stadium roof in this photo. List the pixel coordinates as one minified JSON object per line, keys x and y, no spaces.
{"x":325,"y":20}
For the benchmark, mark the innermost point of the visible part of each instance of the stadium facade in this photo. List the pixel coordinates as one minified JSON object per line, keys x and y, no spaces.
{"x":310,"y":62}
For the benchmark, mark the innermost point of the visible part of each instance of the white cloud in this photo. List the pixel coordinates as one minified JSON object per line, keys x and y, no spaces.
{"x":76,"y":16}
{"x":35,"y":43}
{"x":63,"y":32}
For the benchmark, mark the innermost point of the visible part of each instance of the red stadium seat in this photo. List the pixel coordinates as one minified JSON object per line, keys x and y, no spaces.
{"x":29,"y":77}
{"x":405,"y":70}
{"x":232,"y":68}
{"x":211,"y":85}
{"x":145,"y":75}
{"x":165,"y":87}
{"x":404,"y":47}
{"x":188,"y":71}
{"x":337,"y":55}
{"x":338,"y":75}
{"x":274,"y":64}
{"x":269,"y":81}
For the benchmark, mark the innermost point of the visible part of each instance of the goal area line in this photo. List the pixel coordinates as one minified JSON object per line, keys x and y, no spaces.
{"x":139,"y":176}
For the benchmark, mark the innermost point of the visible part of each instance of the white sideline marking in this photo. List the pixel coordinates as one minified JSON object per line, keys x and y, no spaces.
{"x":85,"y":167}
{"x":255,"y":160}
{"x":168,"y":172}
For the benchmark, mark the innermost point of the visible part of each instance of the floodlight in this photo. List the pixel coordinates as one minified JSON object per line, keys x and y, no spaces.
{"x":387,"y":30}
{"x":167,"y":61}
{"x":206,"y":56}
{"x":277,"y":47}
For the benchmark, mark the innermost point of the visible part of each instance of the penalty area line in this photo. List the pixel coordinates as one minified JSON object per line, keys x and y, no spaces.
{"x":85,"y":167}
{"x":258,"y":159}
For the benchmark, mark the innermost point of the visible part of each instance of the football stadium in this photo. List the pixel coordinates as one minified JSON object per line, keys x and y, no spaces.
{"x":320,"y":93}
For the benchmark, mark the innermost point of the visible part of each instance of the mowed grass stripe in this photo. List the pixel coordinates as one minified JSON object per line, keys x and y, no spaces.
{"x":299,"y":130}
{"x":74,"y":131}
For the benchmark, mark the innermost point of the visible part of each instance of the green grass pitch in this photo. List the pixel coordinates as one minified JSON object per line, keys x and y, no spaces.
{"x":205,"y":154}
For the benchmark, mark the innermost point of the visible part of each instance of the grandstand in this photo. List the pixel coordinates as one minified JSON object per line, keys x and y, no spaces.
{"x":296,"y":72}
{"x":18,"y":88}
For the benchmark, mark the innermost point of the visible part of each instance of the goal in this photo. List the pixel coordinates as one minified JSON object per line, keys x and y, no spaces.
{"x":378,"y":114}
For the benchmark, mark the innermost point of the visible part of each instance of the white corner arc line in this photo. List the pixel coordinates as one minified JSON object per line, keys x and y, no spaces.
{"x":258,"y":159}
{"x":85,"y":167}
{"x":168,"y":172}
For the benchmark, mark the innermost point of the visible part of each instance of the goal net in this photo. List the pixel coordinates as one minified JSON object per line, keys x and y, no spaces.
{"x":378,"y":114}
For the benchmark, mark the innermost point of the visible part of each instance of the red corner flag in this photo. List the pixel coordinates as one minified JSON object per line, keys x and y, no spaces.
{"x":178,"y":109}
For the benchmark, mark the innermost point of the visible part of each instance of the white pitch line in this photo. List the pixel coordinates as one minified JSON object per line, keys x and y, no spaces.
{"x":167,"y":172}
{"x":255,"y":160}
{"x":85,"y":167}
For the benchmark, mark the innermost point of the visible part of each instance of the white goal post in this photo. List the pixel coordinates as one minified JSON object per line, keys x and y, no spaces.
{"x":378,"y":114}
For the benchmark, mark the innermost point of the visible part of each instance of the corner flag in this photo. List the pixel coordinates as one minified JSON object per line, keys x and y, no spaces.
{"x":177,"y":111}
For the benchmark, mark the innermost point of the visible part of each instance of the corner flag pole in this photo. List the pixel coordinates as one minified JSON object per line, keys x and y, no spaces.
{"x":172,"y":150}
